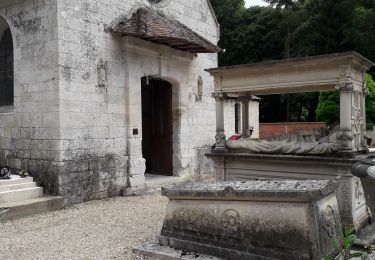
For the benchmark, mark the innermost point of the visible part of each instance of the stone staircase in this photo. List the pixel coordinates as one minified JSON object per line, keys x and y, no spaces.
{"x":20,"y":197}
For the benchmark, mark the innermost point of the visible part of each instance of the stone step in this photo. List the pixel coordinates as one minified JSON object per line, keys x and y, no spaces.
{"x":30,"y":207}
{"x":22,"y":194}
{"x":15,"y":180}
{"x":17,"y":186}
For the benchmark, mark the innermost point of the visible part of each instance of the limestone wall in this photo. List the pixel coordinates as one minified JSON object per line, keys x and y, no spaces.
{"x":29,"y":130}
{"x":78,"y":95}
{"x":97,"y":122}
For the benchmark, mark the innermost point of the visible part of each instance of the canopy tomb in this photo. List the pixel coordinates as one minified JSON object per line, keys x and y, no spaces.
{"x":342,"y":72}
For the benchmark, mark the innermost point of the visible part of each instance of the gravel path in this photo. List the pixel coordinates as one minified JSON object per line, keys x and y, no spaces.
{"x":106,"y":229}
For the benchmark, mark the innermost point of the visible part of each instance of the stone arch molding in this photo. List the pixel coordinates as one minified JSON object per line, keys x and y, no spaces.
{"x":3,"y":26}
{"x":157,"y":3}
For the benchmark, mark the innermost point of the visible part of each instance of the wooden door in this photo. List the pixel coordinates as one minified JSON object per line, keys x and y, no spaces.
{"x":157,"y":126}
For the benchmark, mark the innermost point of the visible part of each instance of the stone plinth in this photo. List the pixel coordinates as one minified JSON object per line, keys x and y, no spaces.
{"x":245,"y":167}
{"x":253,"y":220}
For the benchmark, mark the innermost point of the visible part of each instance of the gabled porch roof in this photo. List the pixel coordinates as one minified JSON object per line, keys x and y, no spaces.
{"x":153,"y":26}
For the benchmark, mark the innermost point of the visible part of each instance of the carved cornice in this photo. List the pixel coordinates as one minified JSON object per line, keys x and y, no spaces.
{"x":245,"y":98}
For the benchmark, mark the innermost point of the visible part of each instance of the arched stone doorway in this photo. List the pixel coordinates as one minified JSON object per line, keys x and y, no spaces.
{"x":6,"y":65}
{"x":157,"y":126}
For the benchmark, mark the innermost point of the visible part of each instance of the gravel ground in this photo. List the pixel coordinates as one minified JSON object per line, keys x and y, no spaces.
{"x":106,"y":229}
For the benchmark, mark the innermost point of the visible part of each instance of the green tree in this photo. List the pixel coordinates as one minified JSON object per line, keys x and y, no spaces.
{"x":360,"y":33}
{"x":328,"y":109}
{"x":289,"y":10}
{"x":295,"y":28}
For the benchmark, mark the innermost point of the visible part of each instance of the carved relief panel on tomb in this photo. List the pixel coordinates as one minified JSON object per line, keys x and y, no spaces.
{"x":359,"y":194}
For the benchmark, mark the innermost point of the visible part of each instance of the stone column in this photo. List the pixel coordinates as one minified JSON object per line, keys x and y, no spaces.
{"x":246,"y":133}
{"x":220,"y":132}
{"x":345,"y":137}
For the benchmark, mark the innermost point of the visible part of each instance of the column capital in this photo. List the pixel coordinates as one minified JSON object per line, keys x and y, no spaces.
{"x":219,"y":96}
{"x":345,"y":87}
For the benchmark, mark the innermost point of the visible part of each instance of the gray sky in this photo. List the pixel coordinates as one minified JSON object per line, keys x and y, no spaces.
{"x":255,"y":2}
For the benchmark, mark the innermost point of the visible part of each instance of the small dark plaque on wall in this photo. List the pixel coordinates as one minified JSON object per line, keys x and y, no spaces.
{"x":135,"y":131}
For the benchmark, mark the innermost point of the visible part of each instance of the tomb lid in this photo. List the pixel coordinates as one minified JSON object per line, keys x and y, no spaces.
{"x":260,"y":190}
{"x":154,"y":26}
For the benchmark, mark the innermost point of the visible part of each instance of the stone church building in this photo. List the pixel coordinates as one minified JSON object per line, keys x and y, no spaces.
{"x":94,"y":93}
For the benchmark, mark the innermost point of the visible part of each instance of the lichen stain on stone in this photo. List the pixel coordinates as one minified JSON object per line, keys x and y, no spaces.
{"x":233,"y":230}
{"x":89,"y":177}
{"x":67,"y":73}
{"x":29,"y":26}
{"x":88,"y":46}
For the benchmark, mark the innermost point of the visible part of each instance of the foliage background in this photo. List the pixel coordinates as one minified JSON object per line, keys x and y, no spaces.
{"x":298,"y":28}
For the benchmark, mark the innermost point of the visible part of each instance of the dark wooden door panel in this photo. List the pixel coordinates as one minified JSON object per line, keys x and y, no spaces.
{"x":157,"y":126}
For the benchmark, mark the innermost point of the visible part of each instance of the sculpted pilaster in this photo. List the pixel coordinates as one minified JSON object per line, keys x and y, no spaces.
{"x":220,"y":131}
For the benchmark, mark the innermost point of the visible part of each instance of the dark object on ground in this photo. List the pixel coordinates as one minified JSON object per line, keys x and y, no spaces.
{"x":5,"y":173}
{"x":24,"y":174}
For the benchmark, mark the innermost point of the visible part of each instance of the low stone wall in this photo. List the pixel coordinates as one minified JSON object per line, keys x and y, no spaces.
{"x":270,"y":129}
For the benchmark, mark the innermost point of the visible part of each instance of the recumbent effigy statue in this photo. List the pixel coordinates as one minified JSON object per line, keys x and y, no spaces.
{"x":313,"y":142}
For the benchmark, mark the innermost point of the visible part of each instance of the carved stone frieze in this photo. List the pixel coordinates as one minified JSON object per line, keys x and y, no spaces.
{"x":346,"y":72}
{"x":218,"y":82}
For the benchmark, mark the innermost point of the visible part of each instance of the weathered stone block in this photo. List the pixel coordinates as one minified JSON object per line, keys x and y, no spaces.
{"x":253,"y":220}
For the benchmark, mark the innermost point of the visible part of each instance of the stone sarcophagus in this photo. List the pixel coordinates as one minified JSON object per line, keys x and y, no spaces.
{"x":286,"y":219}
